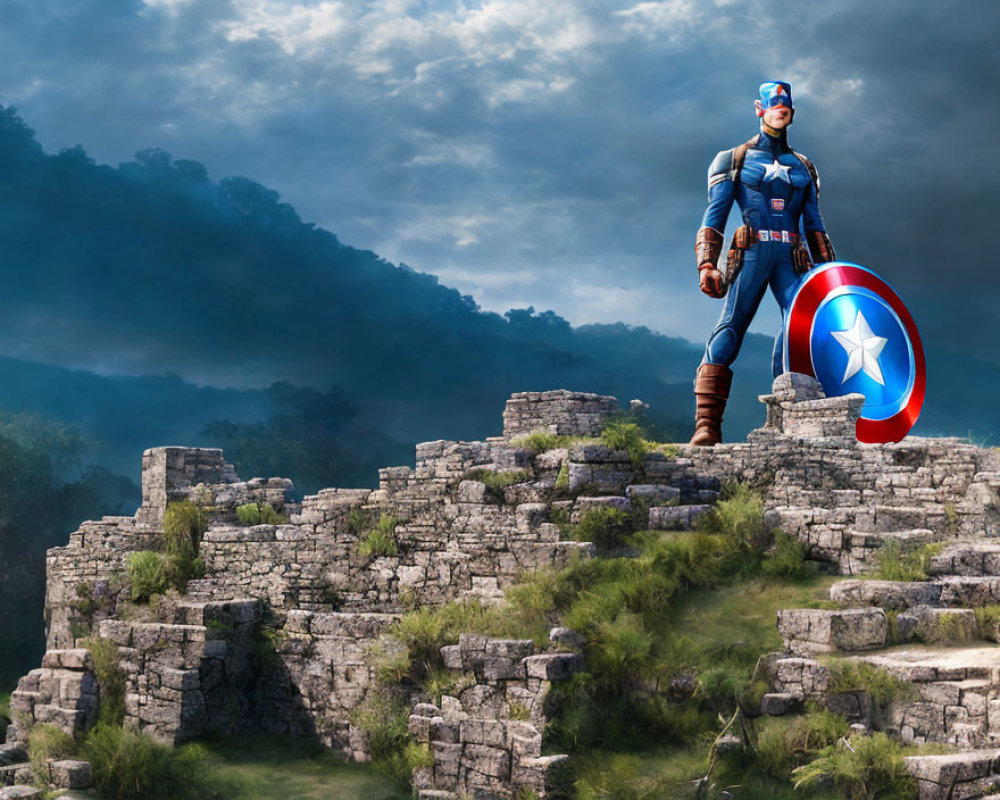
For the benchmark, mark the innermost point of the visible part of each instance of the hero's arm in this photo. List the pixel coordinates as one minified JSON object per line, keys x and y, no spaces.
{"x":820,"y":247}
{"x":708,"y":243}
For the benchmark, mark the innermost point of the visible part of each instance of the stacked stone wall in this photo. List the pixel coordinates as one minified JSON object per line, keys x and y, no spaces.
{"x":471,"y":519}
{"x":486,"y":736}
{"x":560,"y":412}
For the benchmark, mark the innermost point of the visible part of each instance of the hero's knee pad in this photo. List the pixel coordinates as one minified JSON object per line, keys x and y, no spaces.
{"x":722,"y":347}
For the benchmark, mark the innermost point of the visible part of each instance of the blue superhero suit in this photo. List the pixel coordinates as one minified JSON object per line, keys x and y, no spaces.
{"x":775,"y":192}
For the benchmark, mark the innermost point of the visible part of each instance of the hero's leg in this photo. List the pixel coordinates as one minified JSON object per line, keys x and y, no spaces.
{"x":741,"y":304}
{"x":714,"y":377}
{"x":784,"y":282}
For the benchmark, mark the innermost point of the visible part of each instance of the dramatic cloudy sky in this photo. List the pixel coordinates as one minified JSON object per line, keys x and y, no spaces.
{"x":550,"y":153}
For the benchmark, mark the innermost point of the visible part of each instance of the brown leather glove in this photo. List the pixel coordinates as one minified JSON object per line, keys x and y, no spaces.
{"x":707,"y":247}
{"x":710,"y":280}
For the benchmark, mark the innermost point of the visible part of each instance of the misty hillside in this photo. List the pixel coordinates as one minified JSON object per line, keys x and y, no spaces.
{"x":152,"y":267}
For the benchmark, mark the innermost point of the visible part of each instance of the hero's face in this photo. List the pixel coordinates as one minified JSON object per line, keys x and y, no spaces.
{"x":777,"y":117}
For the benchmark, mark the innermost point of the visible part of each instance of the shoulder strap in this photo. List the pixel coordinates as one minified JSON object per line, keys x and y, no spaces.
{"x":810,"y":167}
{"x":739,"y":156}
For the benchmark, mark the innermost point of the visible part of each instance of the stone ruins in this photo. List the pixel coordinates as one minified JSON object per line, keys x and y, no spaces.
{"x":324,"y":605}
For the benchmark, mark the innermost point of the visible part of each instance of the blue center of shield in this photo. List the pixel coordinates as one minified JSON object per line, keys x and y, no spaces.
{"x":831,"y":355}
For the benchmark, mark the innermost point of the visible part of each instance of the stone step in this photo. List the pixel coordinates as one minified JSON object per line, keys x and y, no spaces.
{"x":977,"y":558}
{"x":951,"y":701}
{"x":947,"y":592}
{"x":21,"y":792}
{"x":928,"y":664}
{"x":965,"y":775}
{"x":811,"y":631}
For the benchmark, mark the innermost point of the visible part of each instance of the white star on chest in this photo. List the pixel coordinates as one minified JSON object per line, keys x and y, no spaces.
{"x":775,"y":171}
{"x":863,"y":348}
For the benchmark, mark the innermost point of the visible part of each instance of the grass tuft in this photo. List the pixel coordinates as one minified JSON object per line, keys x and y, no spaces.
{"x":110,"y":681}
{"x":859,"y":676}
{"x":542,"y":442}
{"x":627,"y":436}
{"x":381,"y":539}
{"x":861,"y":767}
{"x":893,"y":564}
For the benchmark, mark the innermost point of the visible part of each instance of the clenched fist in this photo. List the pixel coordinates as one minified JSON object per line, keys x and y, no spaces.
{"x":711,"y":282}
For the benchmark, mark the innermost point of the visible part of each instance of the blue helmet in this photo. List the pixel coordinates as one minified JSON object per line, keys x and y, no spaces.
{"x":775,"y":93}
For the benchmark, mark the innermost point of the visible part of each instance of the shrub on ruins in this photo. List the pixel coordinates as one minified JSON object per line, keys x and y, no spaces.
{"x":542,"y":442}
{"x":248,"y":514}
{"x":259,"y":514}
{"x":626,"y":436}
{"x":783,"y":743}
{"x":894,"y":564}
{"x":47,"y":742}
{"x":424,"y":631}
{"x":496,"y":481}
{"x":110,"y":680}
{"x":859,"y":676}
{"x":786,"y":559}
{"x":148,"y":574}
{"x":184,"y":523}
{"x":862,"y":767}
{"x":607,"y":527}
{"x":381,"y":539}
{"x":383,"y":717}
{"x":132,"y":766}
{"x":988,"y":622}
{"x":738,"y":517}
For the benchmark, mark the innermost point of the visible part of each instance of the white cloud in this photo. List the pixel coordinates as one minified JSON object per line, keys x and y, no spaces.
{"x":654,"y":19}
{"x":299,"y":29}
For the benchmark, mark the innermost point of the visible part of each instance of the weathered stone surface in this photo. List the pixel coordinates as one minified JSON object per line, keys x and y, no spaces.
{"x":809,"y":630}
{"x":677,"y":517}
{"x":20,"y":792}
{"x":553,"y":666}
{"x":889,"y":595}
{"x":567,"y":637}
{"x":70,"y":774}
{"x":776,"y":704}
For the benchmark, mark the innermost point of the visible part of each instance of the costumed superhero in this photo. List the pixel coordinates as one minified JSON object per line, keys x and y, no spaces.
{"x":776,"y":189}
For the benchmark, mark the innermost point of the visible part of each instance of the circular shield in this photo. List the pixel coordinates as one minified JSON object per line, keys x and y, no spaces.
{"x":848,"y":328}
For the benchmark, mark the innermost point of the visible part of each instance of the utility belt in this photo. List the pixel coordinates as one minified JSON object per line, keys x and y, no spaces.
{"x":746,"y":237}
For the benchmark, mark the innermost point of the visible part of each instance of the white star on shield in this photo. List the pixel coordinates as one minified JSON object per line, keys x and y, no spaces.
{"x":863,"y":348}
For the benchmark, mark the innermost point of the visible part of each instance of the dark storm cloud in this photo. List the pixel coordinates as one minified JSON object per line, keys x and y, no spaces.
{"x":548,"y":154}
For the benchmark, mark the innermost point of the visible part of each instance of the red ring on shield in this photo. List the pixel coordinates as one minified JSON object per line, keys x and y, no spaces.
{"x":816,"y":286}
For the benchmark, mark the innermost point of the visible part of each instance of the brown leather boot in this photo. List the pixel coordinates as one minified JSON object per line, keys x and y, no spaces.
{"x":711,"y":390}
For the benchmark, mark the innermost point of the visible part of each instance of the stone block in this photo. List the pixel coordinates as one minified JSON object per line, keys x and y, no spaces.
{"x":677,"y":517}
{"x":819,"y":631}
{"x":78,"y":659}
{"x":653,"y":494}
{"x":891,"y":595}
{"x":492,"y":762}
{"x":442,"y":730}
{"x":13,"y":753}
{"x":70,"y":774}
{"x":20,"y":792}
{"x":502,"y":669}
{"x":553,"y":666}
{"x":452,"y":656}
{"x":567,"y":637}
{"x":776,"y":704}
{"x":446,"y":758}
